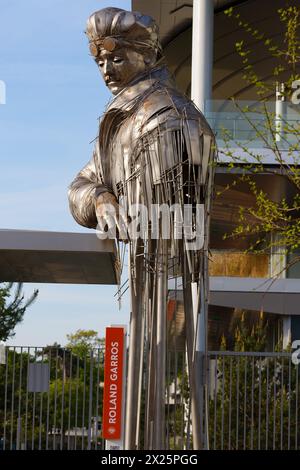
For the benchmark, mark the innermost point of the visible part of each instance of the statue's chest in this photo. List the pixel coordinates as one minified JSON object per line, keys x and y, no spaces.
{"x":123,"y":161}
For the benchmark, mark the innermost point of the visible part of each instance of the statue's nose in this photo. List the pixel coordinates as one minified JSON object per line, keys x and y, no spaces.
{"x":107,"y":68}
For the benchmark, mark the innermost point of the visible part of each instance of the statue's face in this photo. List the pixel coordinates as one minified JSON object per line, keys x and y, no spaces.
{"x":120,"y":67}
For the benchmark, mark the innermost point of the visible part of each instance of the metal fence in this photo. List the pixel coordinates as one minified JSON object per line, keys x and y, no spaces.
{"x":178,"y":428}
{"x":50,"y":398}
{"x":253,"y":401}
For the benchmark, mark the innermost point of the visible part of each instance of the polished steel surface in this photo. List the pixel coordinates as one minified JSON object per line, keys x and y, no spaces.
{"x":154,"y":147}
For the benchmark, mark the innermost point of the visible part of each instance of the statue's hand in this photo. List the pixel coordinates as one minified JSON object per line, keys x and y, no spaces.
{"x":110,"y":217}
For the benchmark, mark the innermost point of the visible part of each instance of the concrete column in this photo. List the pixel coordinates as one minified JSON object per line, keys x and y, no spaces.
{"x":202,"y":52}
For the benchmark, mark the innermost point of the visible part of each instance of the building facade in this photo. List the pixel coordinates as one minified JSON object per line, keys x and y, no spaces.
{"x":238,"y":276}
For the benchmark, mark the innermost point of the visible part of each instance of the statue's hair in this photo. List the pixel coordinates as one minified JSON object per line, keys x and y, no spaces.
{"x":135,"y":29}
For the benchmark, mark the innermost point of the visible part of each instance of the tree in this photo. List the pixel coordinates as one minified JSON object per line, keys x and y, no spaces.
{"x":78,"y":385}
{"x":254,"y":400}
{"x":286,"y":54}
{"x":12,"y":308}
{"x":82,"y":341}
{"x":278,"y":134}
{"x":73,"y":401}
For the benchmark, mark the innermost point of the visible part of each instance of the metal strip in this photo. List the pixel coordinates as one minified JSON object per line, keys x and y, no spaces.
{"x":237,"y":402}
{"x":229,"y":411}
{"x":245,"y":402}
{"x":76,"y":403}
{"x":41,"y":411}
{"x":19,"y":425}
{"x":259,"y":403}
{"x":247,"y":354}
{"x":215,"y":402}
{"x":26,"y":406}
{"x":168,"y":398}
{"x":296,"y":406}
{"x":62,"y":400}
{"x":183,"y":405}
{"x":48,"y":399}
{"x":5,"y":399}
{"x":90,"y":400}
{"x":252,"y":406}
{"x":97,"y":397}
{"x":274,"y":407}
{"x":222,"y":403}
{"x":175,"y":394}
{"x":33,"y":411}
{"x":289,"y":408}
{"x":70,"y":400}
{"x":267,"y":407}
{"x":12,"y":400}
{"x":281,"y":406}
{"x":55,"y":402}
{"x":83,"y":404}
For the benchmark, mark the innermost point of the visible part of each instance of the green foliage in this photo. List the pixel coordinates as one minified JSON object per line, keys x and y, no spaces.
{"x":82,"y":341}
{"x":290,"y":17}
{"x":286,"y":58}
{"x":12,"y":308}
{"x":268,"y":215}
{"x":75,"y":385}
{"x":254,"y":400}
{"x":249,"y":338}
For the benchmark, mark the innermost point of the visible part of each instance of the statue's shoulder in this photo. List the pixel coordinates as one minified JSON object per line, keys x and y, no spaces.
{"x":163,"y":97}
{"x":166,"y":105}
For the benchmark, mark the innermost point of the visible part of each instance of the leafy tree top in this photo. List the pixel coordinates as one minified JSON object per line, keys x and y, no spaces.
{"x":82,"y":341}
{"x":12,"y":308}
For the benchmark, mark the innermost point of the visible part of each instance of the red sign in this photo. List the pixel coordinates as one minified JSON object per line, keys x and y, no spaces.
{"x":113,"y":383}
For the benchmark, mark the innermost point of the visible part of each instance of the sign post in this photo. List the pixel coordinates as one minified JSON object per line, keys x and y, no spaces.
{"x":114,"y":387}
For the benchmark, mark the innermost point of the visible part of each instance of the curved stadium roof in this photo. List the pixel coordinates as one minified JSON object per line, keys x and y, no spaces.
{"x":175,"y":22}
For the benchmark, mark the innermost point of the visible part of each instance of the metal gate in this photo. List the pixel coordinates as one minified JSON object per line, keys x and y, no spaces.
{"x":50,"y":398}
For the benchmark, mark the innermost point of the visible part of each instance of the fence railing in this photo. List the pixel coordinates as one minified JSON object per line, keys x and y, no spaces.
{"x":253,"y":401}
{"x":253,"y":124}
{"x":51,"y":398}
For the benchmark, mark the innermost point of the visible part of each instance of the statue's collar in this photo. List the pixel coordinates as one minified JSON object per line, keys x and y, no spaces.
{"x":127,"y":98}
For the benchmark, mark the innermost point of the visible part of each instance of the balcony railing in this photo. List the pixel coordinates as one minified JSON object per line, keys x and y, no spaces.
{"x":255,"y":125}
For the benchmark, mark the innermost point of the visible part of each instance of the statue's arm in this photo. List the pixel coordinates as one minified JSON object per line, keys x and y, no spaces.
{"x":83,"y":194}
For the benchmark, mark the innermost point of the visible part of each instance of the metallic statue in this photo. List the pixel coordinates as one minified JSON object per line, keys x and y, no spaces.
{"x":154,"y":150}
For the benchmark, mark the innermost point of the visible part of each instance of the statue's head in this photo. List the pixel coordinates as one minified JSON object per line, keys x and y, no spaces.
{"x":124,"y":44}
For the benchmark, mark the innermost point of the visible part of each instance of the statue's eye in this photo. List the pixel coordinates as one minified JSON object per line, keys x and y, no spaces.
{"x":117,"y":60}
{"x":100,"y":63}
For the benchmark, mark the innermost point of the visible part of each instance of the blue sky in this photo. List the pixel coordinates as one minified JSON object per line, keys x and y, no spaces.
{"x":54,"y":95}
